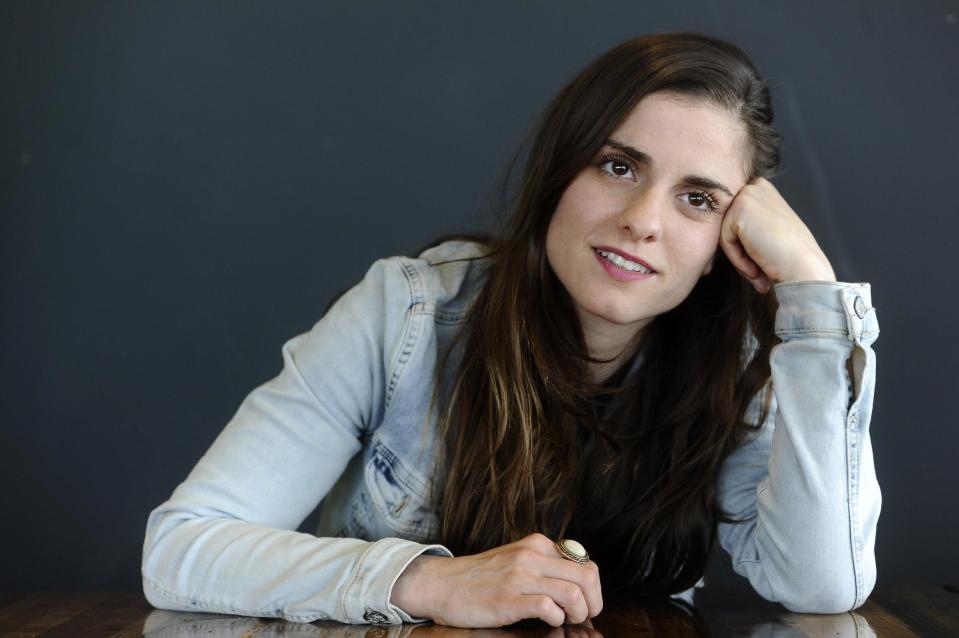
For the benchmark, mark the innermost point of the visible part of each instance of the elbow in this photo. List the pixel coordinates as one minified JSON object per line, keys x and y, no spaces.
{"x":815,"y":587}
{"x":829,"y":593}
{"x":835,"y":601}
{"x":157,"y":527}
{"x":160,"y":563}
{"x":148,"y":562}
{"x":157,"y":600}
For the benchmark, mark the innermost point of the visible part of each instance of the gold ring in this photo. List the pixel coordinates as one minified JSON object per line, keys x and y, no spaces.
{"x":572,"y":550}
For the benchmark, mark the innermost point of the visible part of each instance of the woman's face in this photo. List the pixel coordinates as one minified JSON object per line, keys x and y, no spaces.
{"x":656,"y":191}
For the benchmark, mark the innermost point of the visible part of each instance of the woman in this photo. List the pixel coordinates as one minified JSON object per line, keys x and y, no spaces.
{"x":654,"y":354}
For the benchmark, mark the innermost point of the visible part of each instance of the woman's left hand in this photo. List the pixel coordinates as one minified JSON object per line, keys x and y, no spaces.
{"x":766,"y":241}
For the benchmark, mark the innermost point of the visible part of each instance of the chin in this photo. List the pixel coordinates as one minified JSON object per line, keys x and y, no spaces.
{"x":619,"y":316}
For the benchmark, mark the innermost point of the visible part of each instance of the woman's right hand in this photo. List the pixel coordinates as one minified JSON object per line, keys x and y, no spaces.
{"x":525,"y":579}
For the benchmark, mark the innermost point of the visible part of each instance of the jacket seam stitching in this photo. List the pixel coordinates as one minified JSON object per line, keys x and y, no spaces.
{"x":410,"y":335}
{"x":452,"y":317}
{"x":352,"y":581}
{"x":414,"y":281}
{"x":410,"y":330}
{"x":202,"y":605}
{"x":785,"y":331}
{"x":825,"y":331}
{"x":828,"y":284}
{"x":852,"y":503}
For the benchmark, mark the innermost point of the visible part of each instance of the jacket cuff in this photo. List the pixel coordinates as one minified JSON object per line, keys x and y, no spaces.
{"x":366,"y":598}
{"x":822,"y":308}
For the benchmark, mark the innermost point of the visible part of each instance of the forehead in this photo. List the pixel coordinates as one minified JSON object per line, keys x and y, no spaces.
{"x":687,"y":136}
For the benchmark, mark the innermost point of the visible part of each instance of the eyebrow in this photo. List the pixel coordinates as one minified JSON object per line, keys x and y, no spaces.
{"x":642,"y":158}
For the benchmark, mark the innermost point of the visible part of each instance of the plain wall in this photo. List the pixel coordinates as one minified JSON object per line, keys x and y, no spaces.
{"x":186,"y":185}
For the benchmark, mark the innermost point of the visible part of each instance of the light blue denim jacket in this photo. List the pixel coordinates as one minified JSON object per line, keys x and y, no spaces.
{"x":343,"y":424}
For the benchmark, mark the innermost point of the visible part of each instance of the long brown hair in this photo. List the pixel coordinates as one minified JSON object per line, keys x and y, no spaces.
{"x":627,"y":466}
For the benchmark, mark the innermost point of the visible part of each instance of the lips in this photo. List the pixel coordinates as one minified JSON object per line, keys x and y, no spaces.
{"x":625,"y":255}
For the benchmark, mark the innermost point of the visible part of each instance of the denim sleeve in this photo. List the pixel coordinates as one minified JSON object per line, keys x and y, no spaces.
{"x":806,"y":484}
{"x":225,"y":542}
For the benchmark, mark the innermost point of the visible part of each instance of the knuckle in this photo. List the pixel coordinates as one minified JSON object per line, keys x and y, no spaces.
{"x":543,"y":605}
{"x":591,"y":577}
{"x":571,"y":594}
{"x":540,"y":540}
{"x":514,"y":573}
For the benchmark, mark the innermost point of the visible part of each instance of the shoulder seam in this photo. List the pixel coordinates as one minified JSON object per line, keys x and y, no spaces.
{"x":409,"y":331}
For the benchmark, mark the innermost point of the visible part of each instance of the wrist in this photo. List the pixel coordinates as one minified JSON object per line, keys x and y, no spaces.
{"x":413,"y":592}
{"x":820,"y":270}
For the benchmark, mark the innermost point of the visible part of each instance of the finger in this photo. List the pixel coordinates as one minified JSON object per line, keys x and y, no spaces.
{"x":585,"y":576}
{"x":734,"y":249}
{"x":564,"y":593}
{"x":730,"y":243}
{"x":543,"y":607}
{"x":556,"y":566}
{"x":760,"y":282}
{"x":739,"y":258}
{"x":539,"y":542}
{"x":763,"y":284}
{"x":745,"y":266}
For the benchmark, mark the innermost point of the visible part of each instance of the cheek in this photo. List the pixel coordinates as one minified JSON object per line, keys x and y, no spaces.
{"x":697,"y":248}
{"x":554,"y":233}
{"x":556,"y":239}
{"x":582,"y":203}
{"x":570,"y":222}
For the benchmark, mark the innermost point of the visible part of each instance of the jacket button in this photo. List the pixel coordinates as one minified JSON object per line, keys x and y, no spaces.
{"x":374,"y":617}
{"x":860,"y":306}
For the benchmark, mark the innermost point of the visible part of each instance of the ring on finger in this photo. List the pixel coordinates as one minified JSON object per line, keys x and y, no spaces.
{"x":572,"y":550}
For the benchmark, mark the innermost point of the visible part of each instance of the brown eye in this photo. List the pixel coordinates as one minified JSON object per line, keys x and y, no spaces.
{"x":615,"y":166}
{"x":702,"y":202}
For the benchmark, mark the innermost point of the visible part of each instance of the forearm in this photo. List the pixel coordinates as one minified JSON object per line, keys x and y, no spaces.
{"x":811,"y":545}
{"x":223,"y":565}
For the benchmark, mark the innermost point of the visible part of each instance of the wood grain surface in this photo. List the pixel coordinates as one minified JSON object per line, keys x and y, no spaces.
{"x":900,"y":610}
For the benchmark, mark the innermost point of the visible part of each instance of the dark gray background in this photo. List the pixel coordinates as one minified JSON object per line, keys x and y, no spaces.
{"x":186,"y":185}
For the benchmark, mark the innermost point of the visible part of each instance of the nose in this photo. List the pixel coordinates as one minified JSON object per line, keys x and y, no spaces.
{"x":642,"y":216}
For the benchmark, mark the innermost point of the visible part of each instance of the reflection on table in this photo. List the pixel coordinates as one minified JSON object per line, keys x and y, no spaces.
{"x":902,"y":610}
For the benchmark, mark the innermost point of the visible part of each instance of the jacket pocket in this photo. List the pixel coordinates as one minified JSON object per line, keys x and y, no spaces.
{"x":398,"y":495}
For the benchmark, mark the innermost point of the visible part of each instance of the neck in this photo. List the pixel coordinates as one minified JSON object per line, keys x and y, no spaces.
{"x":610,"y":341}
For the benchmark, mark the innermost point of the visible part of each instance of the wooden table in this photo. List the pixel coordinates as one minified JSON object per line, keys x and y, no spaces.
{"x":904,"y":610}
